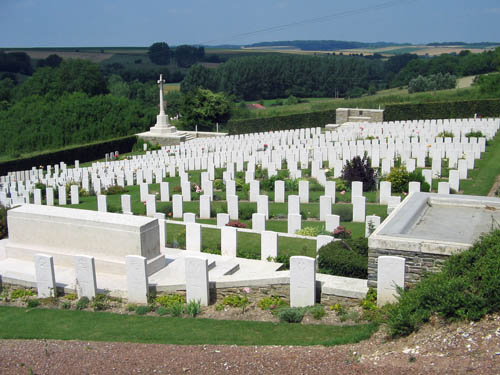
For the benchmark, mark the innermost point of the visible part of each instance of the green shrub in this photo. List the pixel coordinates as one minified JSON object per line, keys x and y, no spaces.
{"x":116,"y":189}
{"x":193,"y":308}
{"x":474,"y":134}
{"x":218,"y":184}
{"x":346,"y":258}
{"x":359,"y":169}
{"x":100,"y":302}
{"x":417,"y":176}
{"x":285,"y":260}
{"x":162,"y":311}
{"x":317,"y":311}
{"x":32,"y":303}
{"x":271,"y":303}
{"x":131,"y":307}
{"x":176,"y":309}
{"x":235,"y":300}
{"x":291,"y":185}
{"x":82,"y":303}
{"x":399,"y":178}
{"x":142,"y":310}
{"x":291,"y":315}
{"x":466,"y":288}
{"x":66,"y":305}
{"x":245,"y":212}
{"x":370,"y":300}
{"x":308,"y":231}
{"x":3,"y":222}
{"x":170,"y":299}
{"x":71,"y":296}
{"x":445,"y":134}
{"x":166,"y":208}
{"x":21,"y":293}
{"x":344,"y":211}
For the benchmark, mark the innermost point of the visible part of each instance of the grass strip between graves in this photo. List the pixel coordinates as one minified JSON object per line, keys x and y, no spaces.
{"x":482,"y":178}
{"x":21,"y":323}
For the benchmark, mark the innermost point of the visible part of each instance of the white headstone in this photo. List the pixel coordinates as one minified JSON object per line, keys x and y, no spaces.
{"x":325,"y":207}
{"x":413,"y":187}
{"x":258,"y":222}
{"x":38,"y":196}
{"x":193,"y":237}
{"x":75,"y":198}
{"x":86,"y":285}
{"x":137,"y":279}
{"x":443,"y":188}
{"x":162,"y":228}
{"x":304,"y":191}
{"x":197,"y":287}
{"x":222,"y":219}
{"x":358,"y":209}
{"x":150,"y":205}
{"x":164,"y":192}
{"x":332,"y":222}
{"x":232,"y":207}
{"x":263,"y":205}
{"x":294,"y":223}
{"x":293,"y":204}
{"x":268,"y":245}
{"x":50,"y":196}
{"x":302,"y":281}
{"x":61,"y":190}
{"x":177,"y":206}
{"x":385,"y":192}
{"x":279,"y":191}
{"x":102,"y":203}
{"x":189,"y":217}
{"x":204,"y":207}
{"x":372,"y":221}
{"x":45,"y":277}
{"x":126,"y":204}
{"x":229,"y":241}
{"x":390,"y":275}
{"x":323,"y":240}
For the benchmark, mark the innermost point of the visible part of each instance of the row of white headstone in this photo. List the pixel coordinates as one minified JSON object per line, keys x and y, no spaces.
{"x":302,"y":279}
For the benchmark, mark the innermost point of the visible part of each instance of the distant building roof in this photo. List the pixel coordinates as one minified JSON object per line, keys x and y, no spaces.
{"x":256,"y":106}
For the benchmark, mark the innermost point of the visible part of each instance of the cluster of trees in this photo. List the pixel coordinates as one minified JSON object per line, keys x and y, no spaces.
{"x":70,"y":104}
{"x":184,"y":55}
{"x":279,"y":75}
{"x":15,"y":62}
{"x":432,"y":82}
{"x":463,"y":64}
{"x":274,"y":76}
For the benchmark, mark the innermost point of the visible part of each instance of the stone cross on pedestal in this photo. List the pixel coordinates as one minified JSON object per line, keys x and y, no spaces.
{"x":160,"y":82}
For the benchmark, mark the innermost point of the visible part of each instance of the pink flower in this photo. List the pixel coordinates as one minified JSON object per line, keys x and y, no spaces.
{"x":342,"y":192}
{"x":405,"y":193}
{"x":247,"y":290}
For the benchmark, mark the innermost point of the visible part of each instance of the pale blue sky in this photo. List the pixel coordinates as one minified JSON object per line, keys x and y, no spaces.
{"x":60,"y":23}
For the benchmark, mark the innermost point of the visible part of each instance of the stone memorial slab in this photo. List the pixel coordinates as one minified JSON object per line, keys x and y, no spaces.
{"x":279,"y":191}
{"x":164,"y":192}
{"x":150,"y":205}
{"x":332,"y":222}
{"x":304,"y":191}
{"x":232,"y":207}
{"x":102,"y":205}
{"x":358,"y":209}
{"x":222,"y":219}
{"x":61,"y":190}
{"x":258,"y":222}
{"x":323,"y":240}
{"x":204,"y":207}
{"x":75,"y":197}
{"x":293,"y":204}
{"x":49,"y":196}
{"x":294,"y":223}
{"x":325,"y":207}
{"x":177,"y":208}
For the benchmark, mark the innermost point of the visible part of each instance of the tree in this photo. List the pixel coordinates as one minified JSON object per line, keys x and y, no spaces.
{"x":52,"y":60}
{"x":196,"y":77}
{"x":159,"y":53}
{"x":185,"y":55}
{"x":204,"y":108}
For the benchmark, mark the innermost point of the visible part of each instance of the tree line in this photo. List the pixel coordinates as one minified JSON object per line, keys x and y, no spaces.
{"x":280,"y":75}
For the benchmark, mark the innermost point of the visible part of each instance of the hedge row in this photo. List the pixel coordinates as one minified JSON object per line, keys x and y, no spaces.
{"x":442,"y":110}
{"x":83,"y":153}
{"x":296,"y":121}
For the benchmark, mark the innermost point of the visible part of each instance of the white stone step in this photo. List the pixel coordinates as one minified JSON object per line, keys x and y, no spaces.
{"x":224,"y":269}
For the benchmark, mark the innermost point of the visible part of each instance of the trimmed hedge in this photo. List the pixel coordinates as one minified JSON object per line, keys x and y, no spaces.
{"x":337,"y":259}
{"x":296,"y":121}
{"x":442,"y":110}
{"x":83,"y":153}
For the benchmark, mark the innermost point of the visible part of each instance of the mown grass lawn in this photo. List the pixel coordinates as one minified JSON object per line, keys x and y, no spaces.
{"x":20,"y":323}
